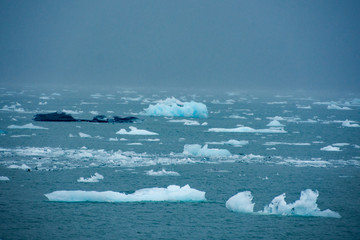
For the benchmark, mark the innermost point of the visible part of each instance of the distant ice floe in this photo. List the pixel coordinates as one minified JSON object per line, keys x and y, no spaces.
{"x":285,"y":143}
{"x":135,"y":131}
{"x":84,"y":135}
{"x":26,"y":126}
{"x":336,"y":107}
{"x":4,"y":178}
{"x":330,"y":149}
{"x":22,"y":167}
{"x":197,"y":150}
{"x":162,"y":172}
{"x":14,"y":108}
{"x":305,"y":206}
{"x":247,"y":130}
{"x":72,"y":111}
{"x":172,"y":193}
{"x":275,"y":123}
{"x":232,"y":142}
{"x":303,"y":107}
{"x":348,"y":123}
{"x":186,"y":122}
{"x":96,"y":178}
{"x":272,"y":103}
{"x":172,"y":107}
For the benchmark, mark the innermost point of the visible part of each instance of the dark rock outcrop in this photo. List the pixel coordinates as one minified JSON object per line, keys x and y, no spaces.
{"x":63,"y":117}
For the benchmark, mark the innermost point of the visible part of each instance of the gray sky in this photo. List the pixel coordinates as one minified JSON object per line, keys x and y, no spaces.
{"x":206,"y":44}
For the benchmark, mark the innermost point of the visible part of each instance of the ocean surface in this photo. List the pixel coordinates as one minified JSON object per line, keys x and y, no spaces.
{"x":171,"y":175}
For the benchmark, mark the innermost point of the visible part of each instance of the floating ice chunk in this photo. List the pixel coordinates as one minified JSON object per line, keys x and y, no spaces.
{"x":275,"y":123}
{"x":84,"y":135}
{"x":134,"y":144}
{"x":172,"y":193}
{"x":348,"y":123}
{"x":285,"y":143}
{"x":26,"y":126}
{"x":241,"y":202}
{"x":4,"y":178}
{"x":197,"y":150}
{"x":336,"y":107}
{"x":340,"y":144}
{"x":233,"y":142}
{"x":303,"y":107}
{"x":305,"y":206}
{"x":92,"y":179}
{"x":187,"y":122}
{"x":162,"y":172}
{"x":272,"y":103}
{"x":22,"y":167}
{"x":237,"y":117}
{"x":204,"y":124}
{"x":135,"y":131}
{"x":330,"y":148}
{"x":94,"y":112}
{"x":113,"y":139}
{"x":71,"y":111}
{"x":172,"y":107}
{"x":248,"y":130}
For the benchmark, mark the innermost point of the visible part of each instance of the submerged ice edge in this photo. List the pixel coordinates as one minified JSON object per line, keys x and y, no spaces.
{"x":172,"y":193}
{"x":305,"y":206}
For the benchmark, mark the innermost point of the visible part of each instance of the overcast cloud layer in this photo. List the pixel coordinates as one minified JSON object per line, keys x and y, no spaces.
{"x":205,"y":44}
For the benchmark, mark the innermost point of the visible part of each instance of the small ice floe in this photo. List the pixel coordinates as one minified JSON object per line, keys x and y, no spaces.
{"x":162,"y":172}
{"x":96,"y":178}
{"x":275,"y":123}
{"x":197,"y":150}
{"x":303,"y":107}
{"x":26,"y":126}
{"x":285,"y":143}
{"x":172,"y":193}
{"x":94,"y":112}
{"x":84,"y":135}
{"x":135,"y":131}
{"x":236,"y":117}
{"x":19,"y":136}
{"x":22,"y":167}
{"x":330,"y":149}
{"x":272,"y":103}
{"x":232,"y":142}
{"x":134,"y":144}
{"x":247,"y":130}
{"x":4,"y":178}
{"x":186,"y":122}
{"x":348,"y":123}
{"x":305,"y":206}
{"x":336,"y":107}
{"x":172,"y":107}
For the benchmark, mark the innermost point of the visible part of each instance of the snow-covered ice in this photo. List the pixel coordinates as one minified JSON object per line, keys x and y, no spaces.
{"x":241,"y":202}
{"x":172,"y":107}
{"x":135,"y":131}
{"x":96,"y":178}
{"x":172,"y":193}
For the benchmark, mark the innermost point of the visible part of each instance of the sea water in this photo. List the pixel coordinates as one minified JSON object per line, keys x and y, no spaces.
{"x":175,"y":177}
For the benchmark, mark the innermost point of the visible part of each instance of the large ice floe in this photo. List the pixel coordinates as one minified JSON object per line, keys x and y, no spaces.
{"x":198,"y":151}
{"x":26,"y":126}
{"x":172,"y":107}
{"x":305,"y":206}
{"x":247,"y":130}
{"x":96,"y":178}
{"x":172,"y":193}
{"x":135,"y":131}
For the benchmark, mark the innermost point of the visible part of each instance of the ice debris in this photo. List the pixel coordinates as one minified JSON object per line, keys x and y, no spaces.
{"x":348,"y":123}
{"x":275,"y":123}
{"x":172,"y":193}
{"x":336,"y":107}
{"x":91,"y":179}
{"x":305,"y":206}
{"x":172,"y":107}
{"x":248,"y":130}
{"x":26,"y":126}
{"x":135,"y":131}
{"x":4,"y":178}
{"x":162,"y":172}
{"x":330,"y":148}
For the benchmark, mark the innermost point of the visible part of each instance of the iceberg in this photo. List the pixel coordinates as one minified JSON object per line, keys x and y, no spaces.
{"x":186,"y":122}
{"x":330,"y":148}
{"x":247,"y":130}
{"x":4,"y":178}
{"x":92,"y":179}
{"x":348,"y":123}
{"x":172,"y":193}
{"x":26,"y":126}
{"x":135,"y":131}
{"x":162,"y":172}
{"x":305,"y":206}
{"x":84,"y":135}
{"x":172,"y":107}
{"x":197,"y":150}
{"x":336,"y":107}
{"x":275,"y":123}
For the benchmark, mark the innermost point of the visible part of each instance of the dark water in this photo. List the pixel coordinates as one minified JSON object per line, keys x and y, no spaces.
{"x":57,"y":161}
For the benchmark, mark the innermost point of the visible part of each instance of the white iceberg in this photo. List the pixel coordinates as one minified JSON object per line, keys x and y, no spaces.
{"x":172,"y":193}
{"x":275,"y":123}
{"x":348,"y":123}
{"x":336,"y":107}
{"x":305,"y":206}
{"x":162,"y":172}
{"x":172,"y":107}
{"x":197,"y":150}
{"x":84,"y":135}
{"x":26,"y":126}
{"x":330,"y":149}
{"x":247,"y":130}
{"x":91,"y":179}
{"x":4,"y":178}
{"x":135,"y":131}
{"x":186,"y":122}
